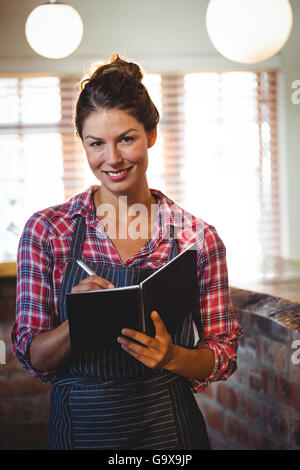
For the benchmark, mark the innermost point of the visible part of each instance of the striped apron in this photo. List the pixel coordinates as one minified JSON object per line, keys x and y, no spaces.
{"x":106,"y":399}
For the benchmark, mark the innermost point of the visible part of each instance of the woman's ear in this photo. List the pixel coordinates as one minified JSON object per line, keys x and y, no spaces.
{"x":152,"y":137}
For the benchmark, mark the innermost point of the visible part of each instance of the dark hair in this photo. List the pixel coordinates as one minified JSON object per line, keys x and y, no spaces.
{"x":116,"y":84}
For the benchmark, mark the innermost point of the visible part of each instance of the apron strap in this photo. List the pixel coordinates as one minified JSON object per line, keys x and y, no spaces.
{"x":175,"y":243}
{"x":75,"y":252}
{"x":78,"y":238}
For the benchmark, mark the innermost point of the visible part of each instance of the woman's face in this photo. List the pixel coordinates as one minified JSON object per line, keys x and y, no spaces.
{"x":115,"y":141}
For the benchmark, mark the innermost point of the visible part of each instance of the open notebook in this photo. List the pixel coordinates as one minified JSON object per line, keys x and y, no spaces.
{"x":96,"y":318}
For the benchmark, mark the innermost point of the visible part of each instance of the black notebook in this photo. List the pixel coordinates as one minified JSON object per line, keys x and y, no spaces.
{"x":96,"y":318}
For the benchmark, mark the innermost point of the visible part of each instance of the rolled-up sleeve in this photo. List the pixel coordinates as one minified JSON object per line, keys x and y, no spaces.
{"x":34,"y":303}
{"x":214,"y":317}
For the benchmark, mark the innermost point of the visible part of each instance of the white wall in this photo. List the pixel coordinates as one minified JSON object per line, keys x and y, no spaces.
{"x":291,"y":72}
{"x":162,"y":35}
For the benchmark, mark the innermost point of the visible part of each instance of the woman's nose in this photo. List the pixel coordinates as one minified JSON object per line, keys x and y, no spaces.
{"x":113,"y":155}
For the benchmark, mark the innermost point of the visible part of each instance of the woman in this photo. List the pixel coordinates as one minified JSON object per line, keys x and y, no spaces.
{"x":131,"y":396}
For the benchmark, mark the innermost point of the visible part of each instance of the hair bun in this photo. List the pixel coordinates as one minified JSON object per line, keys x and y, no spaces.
{"x":118,"y":65}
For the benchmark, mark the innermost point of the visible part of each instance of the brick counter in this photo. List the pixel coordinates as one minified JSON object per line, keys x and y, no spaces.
{"x":24,"y":400}
{"x":258,"y":407}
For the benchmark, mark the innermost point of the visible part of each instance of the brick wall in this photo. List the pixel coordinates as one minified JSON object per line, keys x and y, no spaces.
{"x":258,"y":407}
{"x":24,"y":400}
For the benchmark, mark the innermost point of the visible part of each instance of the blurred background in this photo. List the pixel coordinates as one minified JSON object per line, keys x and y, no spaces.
{"x":227,"y":150}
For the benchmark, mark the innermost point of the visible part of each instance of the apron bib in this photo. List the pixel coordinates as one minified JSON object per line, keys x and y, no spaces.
{"x":106,"y":399}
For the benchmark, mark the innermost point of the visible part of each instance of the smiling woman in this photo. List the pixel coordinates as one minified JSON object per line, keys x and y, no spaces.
{"x":130,"y":396}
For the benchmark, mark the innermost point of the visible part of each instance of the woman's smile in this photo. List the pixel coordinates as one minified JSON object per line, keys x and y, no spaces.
{"x":118,"y":175}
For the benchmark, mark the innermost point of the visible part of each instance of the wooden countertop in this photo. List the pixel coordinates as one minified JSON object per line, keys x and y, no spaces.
{"x":274,"y":276}
{"x":271,"y":290}
{"x":8,"y":269}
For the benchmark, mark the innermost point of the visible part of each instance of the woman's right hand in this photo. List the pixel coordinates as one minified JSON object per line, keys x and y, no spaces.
{"x":92,"y":283}
{"x":51,"y":349}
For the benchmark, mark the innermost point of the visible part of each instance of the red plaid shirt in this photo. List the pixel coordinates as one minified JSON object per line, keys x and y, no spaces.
{"x":42,"y":259}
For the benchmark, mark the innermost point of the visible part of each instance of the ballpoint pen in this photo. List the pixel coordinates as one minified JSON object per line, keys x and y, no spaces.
{"x":86,"y":268}
{"x":90,"y":271}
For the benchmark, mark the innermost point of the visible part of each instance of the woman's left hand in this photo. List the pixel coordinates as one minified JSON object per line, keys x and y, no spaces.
{"x":158,"y":352}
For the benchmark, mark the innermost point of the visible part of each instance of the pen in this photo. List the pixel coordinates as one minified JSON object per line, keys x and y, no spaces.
{"x":85,"y":267}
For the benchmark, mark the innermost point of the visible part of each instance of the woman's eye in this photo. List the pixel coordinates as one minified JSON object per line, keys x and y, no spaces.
{"x":96,"y":144}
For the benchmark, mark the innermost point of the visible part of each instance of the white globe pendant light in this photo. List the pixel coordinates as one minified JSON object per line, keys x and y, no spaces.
{"x":54,"y":30}
{"x":249,"y":31}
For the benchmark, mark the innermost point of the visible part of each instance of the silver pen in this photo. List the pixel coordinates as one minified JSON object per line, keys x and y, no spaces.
{"x":86,"y":268}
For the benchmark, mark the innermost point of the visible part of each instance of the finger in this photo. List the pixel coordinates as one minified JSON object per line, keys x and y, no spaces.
{"x":139,"y":357}
{"x":100,"y":281}
{"x":140,"y":337}
{"x":147,"y":360}
{"x":92,"y":283}
{"x":137,"y":348}
{"x":160,"y":327}
{"x":88,"y":286}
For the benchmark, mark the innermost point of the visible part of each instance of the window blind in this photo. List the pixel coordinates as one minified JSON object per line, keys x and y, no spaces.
{"x":31,"y":154}
{"x":216,"y":154}
{"x":231,"y":169}
{"x":72,"y":151}
{"x":172,"y":127}
{"x":268,"y":170}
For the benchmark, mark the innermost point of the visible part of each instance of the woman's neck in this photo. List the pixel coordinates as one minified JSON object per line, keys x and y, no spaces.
{"x":123,"y":203}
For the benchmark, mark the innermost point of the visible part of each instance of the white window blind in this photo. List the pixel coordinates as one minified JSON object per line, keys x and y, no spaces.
{"x":231,"y":161}
{"x":72,"y":152}
{"x":173,"y":136}
{"x":31,"y":154}
{"x":155,"y":172}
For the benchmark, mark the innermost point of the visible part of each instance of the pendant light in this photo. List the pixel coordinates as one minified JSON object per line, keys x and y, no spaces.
{"x":249,"y":31}
{"x":54,"y":30}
